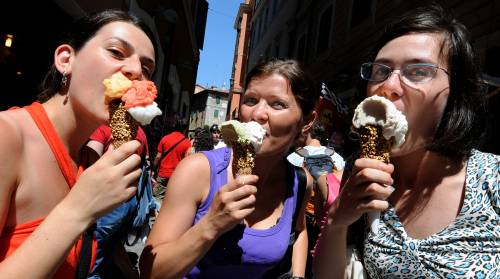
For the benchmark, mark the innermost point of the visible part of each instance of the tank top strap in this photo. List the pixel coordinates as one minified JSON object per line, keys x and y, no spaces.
{"x":218,"y":160}
{"x":37,"y":112}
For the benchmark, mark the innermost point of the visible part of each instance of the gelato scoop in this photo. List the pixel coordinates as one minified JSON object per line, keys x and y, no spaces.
{"x":129,"y":102}
{"x":245,"y":139}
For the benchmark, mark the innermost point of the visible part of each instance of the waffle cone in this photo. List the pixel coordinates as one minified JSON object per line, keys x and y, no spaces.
{"x":243,"y":158}
{"x":373,"y":144}
{"x":123,"y":126}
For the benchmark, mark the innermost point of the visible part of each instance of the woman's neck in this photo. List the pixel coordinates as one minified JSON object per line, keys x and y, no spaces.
{"x":423,"y":168}
{"x":268,"y":168}
{"x":73,"y":131}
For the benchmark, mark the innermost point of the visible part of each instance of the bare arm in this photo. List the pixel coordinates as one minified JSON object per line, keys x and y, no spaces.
{"x":175,"y":245}
{"x":46,"y":248}
{"x":98,"y":147}
{"x":362,"y":192}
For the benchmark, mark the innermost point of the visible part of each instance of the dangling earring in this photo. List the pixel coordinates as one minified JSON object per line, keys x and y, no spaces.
{"x":64,"y":82}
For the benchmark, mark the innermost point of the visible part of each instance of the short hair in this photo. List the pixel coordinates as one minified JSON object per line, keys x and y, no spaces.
{"x":79,"y":33}
{"x":464,"y":119}
{"x":318,"y":132}
{"x":214,"y":128}
{"x":301,"y":84}
{"x":203,"y":141}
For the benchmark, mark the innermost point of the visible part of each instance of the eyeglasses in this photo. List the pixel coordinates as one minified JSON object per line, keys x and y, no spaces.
{"x":411,"y":73}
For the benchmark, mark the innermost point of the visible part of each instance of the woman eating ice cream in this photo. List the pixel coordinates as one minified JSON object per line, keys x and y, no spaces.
{"x":219,"y":221}
{"x":439,"y":196}
{"x":47,"y":200}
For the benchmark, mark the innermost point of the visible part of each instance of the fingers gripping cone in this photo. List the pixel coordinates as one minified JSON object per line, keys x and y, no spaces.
{"x":245,"y":139}
{"x":380,"y":127}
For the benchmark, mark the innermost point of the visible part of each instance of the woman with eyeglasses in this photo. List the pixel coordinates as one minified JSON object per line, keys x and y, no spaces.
{"x":439,"y":198}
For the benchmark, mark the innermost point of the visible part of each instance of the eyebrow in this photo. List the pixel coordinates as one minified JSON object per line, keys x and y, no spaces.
{"x":411,"y":61}
{"x":144,"y":59}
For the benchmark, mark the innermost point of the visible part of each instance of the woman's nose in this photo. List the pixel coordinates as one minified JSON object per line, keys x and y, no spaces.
{"x":260,"y":112}
{"x":132,"y":69}
{"x":391,"y":88}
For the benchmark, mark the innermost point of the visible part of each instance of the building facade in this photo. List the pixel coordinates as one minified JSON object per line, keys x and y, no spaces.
{"x":208,"y":107}
{"x":332,"y":38}
{"x":178,"y":27}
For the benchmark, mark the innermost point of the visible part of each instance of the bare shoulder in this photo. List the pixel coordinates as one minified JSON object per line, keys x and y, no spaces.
{"x":11,"y":149}
{"x":11,"y":138}
{"x":193,"y":173}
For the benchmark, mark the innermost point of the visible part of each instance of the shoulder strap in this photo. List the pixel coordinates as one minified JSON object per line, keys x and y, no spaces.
{"x":301,"y":190}
{"x":41,"y":119}
{"x":170,"y":149}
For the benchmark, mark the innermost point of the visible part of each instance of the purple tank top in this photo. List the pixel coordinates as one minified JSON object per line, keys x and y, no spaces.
{"x":243,"y":252}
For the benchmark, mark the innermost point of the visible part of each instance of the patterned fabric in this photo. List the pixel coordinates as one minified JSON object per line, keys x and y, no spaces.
{"x":467,"y":248}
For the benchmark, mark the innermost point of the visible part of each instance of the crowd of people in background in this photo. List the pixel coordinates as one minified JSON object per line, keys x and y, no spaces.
{"x":69,"y":199}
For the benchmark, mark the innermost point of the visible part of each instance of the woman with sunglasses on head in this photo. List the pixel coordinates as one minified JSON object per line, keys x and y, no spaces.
{"x":439,"y":198}
{"x":47,"y":200}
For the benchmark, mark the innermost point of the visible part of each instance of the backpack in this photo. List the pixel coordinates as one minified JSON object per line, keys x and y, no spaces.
{"x":145,"y":208}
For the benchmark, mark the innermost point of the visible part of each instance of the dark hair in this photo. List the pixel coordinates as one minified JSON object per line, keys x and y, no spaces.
{"x":318,"y":132}
{"x":214,"y":128}
{"x":80,"y":32}
{"x":300,"y":82}
{"x":203,"y":140}
{"x":464,"y":118}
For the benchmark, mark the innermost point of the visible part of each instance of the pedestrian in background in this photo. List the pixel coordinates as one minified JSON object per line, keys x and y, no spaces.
{"x":171,"y":150}
{"x":218,"y":142}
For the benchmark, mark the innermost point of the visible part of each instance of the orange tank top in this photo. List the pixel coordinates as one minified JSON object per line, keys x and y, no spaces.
{"x":12,"y":237}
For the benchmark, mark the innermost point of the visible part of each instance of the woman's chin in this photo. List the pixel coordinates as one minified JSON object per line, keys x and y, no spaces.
{"x":406,"y":149}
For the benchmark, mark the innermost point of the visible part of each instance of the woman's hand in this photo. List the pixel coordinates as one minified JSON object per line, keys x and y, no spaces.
{"x":367,"y":189}
{"x":232,"y":203}
{"x":106,"y":184}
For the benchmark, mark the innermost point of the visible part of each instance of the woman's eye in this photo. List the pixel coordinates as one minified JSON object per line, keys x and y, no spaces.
{"x":279,"y":105}
{"x":146,"y":72}
{"x":116,"y":53}
{"x":250,"y":101}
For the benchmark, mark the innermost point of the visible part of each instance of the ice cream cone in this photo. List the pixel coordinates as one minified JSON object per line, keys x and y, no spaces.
{"x":245,"y":139}
{"x":373,"y":144}
{"x":380,"y":127}
{"x":243,"y":159}
{"x":122,"y":124}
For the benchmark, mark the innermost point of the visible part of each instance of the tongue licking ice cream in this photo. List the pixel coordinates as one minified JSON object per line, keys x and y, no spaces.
{"x":245,"y":139}
{"x":129,"y":102}
{"x":380,"y":127}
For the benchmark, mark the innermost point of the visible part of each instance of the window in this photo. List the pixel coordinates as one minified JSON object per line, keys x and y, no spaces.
{"x":324,"y":30}
{"x":217,"y":100}
{"x":361,"y":9}
{"x":216,"y":113}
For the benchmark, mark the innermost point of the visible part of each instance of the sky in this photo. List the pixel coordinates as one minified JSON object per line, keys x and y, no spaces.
{"x":216,"y":58}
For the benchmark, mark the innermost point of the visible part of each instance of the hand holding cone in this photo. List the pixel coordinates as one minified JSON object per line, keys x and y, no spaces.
{"x":380,"y":127}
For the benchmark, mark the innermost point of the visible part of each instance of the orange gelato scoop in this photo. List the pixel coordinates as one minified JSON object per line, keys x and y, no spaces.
{"x":141,"y":93}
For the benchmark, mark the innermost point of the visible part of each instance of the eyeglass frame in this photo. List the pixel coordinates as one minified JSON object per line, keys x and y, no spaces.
{"x":401,"y":76}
